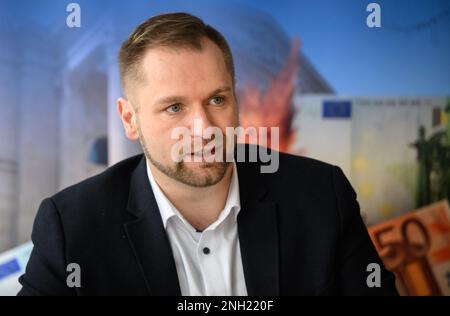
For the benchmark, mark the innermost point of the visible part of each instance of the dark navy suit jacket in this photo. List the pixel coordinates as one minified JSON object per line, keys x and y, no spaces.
{"x":300,"y":233}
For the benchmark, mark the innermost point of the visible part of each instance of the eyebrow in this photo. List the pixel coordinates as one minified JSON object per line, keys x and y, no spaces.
{"x":178,"y":99}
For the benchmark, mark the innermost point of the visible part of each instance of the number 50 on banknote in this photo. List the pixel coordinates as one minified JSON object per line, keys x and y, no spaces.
{"x":416,"y":247}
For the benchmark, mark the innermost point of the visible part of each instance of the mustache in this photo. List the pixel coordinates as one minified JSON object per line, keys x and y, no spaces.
{"x":200,"y":146}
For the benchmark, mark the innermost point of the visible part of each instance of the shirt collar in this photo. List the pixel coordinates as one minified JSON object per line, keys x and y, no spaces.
{"x":168,"y":210}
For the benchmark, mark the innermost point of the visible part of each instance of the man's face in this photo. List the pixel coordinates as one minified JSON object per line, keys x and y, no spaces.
{"x":182,"y":85}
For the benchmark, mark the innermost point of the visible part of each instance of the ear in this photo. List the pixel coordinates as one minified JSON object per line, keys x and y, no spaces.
{"x":128,"y":116}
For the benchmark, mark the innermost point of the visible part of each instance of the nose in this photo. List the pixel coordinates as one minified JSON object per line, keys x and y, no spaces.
{"x":200,"y":120}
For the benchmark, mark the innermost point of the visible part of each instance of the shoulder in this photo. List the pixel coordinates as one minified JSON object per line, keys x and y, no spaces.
{"x":298,"y":179}
{"x":316,"y":174}
{"x":286,"y":168}
{"x":103,"y":191}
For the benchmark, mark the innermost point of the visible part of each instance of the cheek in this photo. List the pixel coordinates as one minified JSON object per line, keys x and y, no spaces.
{"x":149,"y":128}
{"x":157,"y":135}
{"x":231,"y":118}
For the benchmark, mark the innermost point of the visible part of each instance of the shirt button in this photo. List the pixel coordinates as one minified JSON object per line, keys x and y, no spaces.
{"x":206,"y":250}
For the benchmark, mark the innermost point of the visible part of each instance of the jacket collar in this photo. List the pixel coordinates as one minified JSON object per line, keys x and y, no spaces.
{"x":257,"y":230}
{"x":148,"y":238}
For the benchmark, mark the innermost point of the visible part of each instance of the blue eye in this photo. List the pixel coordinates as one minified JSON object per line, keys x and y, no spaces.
{"x":174,"y":108}
{"x":217,"y":100}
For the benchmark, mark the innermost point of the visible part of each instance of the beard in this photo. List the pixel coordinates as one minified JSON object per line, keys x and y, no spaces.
{"x":209,"y":173}
{"x":203,"y":174}
{"x":195,"y":174}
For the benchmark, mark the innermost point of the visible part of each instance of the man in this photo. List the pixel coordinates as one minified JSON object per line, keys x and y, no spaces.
{"x":158,"y":225}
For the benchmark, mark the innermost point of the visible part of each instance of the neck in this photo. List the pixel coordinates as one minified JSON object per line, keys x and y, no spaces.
{"x":200,"y":206}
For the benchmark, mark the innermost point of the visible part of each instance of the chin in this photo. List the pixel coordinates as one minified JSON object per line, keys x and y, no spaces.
{"x":214,"y":171}
{"x":204,"y":169}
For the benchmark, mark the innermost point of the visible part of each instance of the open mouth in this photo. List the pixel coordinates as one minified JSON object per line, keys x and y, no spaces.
{"x":206,"y":152}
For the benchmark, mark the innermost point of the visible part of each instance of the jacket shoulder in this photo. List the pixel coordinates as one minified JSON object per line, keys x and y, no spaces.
{"x":299,"y":178}
{"x":299,"y":169}
{"x":111,"y":185}
{"x":289,"y":162}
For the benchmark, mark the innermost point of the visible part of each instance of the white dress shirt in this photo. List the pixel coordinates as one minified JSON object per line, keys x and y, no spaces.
{"x":208,"y":262}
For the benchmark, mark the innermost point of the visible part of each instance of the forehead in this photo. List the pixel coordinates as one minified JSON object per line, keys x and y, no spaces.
{"x":184,"y":70}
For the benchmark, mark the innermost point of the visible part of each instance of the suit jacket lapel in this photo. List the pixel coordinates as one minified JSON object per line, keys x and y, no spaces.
{"x":148,"y":238}
{"x":258,"y":233}
{"x":257,"y":229}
